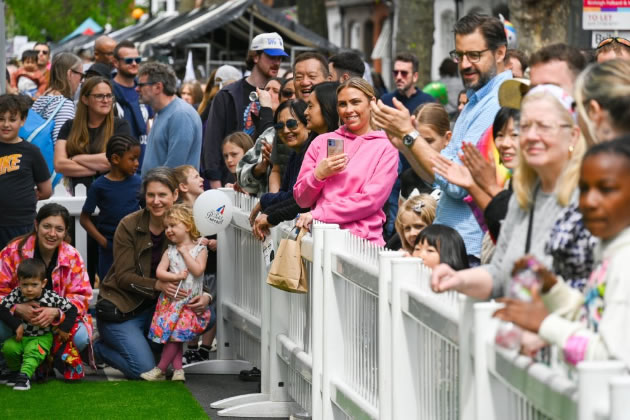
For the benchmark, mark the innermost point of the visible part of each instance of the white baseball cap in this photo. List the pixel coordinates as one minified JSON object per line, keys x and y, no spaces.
{"x":270,"y":43}
{"x":227,"y":73}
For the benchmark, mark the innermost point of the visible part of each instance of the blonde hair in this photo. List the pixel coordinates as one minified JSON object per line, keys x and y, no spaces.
{"x":361,"y":84}
{"x":433,"y":115}
{"x":525,"y":178}
{"x":195,"y":90}
{"x":423,"y":205}
{"x":183,"y":214}
{"x":78,"y":141}
{"x":608,"y":84}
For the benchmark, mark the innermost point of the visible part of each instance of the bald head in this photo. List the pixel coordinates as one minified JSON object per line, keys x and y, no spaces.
{"x":104,"y":50}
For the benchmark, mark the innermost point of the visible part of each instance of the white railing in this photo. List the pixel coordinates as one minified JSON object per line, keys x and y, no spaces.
{"x":371,"y":340}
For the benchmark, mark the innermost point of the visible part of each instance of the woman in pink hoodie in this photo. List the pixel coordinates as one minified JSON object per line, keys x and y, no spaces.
{"x":349,"y":188}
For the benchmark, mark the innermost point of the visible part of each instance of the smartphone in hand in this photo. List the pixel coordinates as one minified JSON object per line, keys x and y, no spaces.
{"x":335,"y":147}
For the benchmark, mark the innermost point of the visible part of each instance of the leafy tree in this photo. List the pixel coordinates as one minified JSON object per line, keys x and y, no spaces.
{"x":53,"y":19}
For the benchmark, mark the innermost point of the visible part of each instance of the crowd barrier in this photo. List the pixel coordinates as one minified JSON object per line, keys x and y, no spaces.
{"x":370,"y":340}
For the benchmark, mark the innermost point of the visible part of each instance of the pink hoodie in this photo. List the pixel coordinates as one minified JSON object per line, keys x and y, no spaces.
{"x":355,"y":197}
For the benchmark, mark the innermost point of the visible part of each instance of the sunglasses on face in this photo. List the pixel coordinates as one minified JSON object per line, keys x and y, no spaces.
{"x":287,"y":93}
{"x":131,"y":60}
{"x":43,"y":52}
{"x":291,"y":125}
{"x":403,"y":73}
{"x":140,"y":85}
{"x":616,"y":39}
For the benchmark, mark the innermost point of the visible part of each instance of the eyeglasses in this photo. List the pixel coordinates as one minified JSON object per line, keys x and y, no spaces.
{"x":140,"y":85}
{"x":403,"y":73}
{"x":291,"y":125}
{"x":79,"y":73}
{"x":542,"y":128}
{"x":102,"y":96}
{"x":287,"y":93}
{"x":610,"y":40}
{"x":131,"y":60}
{"x":43,"y":52}
{"x":472,"y":56}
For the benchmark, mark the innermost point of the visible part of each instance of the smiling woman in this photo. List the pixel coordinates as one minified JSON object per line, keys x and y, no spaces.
{"x":80,"y":148}
{"x":349,"y":188}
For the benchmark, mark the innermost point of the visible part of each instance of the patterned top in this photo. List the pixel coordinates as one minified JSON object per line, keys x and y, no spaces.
{"x":471,"y":124}
{"x":48,"y":299}
{"x":571,"y":245}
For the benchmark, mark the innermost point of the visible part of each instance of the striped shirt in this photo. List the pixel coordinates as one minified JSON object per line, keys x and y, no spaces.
{"x":45,"y":106}
{"x":476,"y":117}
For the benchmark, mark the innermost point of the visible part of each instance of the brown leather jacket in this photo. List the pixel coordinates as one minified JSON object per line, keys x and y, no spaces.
{"x":127,"y":283}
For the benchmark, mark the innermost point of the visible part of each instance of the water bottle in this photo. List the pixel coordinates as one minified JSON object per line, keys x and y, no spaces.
{"x":508,"y":334}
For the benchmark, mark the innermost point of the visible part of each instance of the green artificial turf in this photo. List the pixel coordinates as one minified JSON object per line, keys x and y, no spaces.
{"x":100,"y":400}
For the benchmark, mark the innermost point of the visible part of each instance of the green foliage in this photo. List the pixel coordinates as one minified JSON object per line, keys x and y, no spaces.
{"x":39,"y":19}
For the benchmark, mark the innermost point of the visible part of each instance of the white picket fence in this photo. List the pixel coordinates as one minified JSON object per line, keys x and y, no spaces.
{"x":370,"y":340}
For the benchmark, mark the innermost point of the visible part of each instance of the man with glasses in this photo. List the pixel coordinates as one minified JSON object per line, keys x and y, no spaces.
{"x":614,"y":47}
{"x":405,"y":76}
{"x":104,"y":51}
{"x":175,"y":138}
{"x":227,"y":112}
{"x":43,"y":59}
{"x":128,"y":106}
{"x":480,"y":46}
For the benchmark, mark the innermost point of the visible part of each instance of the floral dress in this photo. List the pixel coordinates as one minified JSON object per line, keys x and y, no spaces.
{"x":172,"y":320}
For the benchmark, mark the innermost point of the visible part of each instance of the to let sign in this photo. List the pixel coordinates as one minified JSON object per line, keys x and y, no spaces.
{"x":606,"y":14}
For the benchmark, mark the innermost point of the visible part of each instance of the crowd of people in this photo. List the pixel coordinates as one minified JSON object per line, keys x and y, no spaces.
{"x":508,"y":163}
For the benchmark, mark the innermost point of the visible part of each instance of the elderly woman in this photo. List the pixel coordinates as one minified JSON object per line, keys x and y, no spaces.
{"x":349,"y":188}
{"x":129,"y":292}
{"x":65,"y":272}
{"x":550,"y":151}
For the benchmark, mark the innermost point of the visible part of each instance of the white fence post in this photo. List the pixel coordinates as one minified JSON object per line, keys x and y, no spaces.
{"x":386,"y":337}
{"x":467,"y":407}
{"x":484,"y":330}
{"x":620,"y":398}
{"x":593,"y":388}
{"x":321,"y":264}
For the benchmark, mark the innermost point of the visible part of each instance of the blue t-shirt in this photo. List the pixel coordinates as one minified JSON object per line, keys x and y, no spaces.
{"x":115,"y":200}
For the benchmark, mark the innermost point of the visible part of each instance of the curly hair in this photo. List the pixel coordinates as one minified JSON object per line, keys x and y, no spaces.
{"x":183,"y":214}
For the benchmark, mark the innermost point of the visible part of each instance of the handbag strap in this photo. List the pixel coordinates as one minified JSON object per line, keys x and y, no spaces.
{"x":41,"y":127}
{"x":530,"y":224}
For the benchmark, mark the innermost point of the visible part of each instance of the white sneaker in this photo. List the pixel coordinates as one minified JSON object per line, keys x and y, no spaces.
{"x":154,"y":374}
{"x":179,"y":375}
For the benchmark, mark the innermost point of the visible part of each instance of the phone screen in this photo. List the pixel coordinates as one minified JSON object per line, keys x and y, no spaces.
{"x":335,"y":147}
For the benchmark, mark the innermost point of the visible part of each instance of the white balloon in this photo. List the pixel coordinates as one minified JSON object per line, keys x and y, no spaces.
{"x":212,"y":212}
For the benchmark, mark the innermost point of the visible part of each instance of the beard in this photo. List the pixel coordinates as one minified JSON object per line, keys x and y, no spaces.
{"x":484,"y":78}
{"x":127,"y":74}
{"x":403,"y":90}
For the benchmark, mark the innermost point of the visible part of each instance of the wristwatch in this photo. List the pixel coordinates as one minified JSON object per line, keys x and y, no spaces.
{"x":410,"y":138}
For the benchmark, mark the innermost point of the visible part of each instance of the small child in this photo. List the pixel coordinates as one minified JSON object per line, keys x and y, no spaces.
{"x":28,"y":79}
{"x":234,"y":147}
{"x":22,"y":170}
{"x":189,"y":184}
{"x":414,"y":215}
{"x":173,"y":322}
{"x":441,"y":244}
{"x":590,"y":325}
{"x":31,"y":344}
{"x":115,"y":194}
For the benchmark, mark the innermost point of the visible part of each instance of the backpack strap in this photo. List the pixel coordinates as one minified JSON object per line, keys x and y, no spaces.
{"x":41,"y":127}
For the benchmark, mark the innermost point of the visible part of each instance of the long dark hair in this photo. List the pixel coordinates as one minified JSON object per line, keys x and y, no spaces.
{"x":326,"y":94}
{"x":448,"y":243}
{"x":47,"y":210}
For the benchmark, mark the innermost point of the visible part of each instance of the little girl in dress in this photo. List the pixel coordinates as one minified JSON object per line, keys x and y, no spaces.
{"x":174,"y":323}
